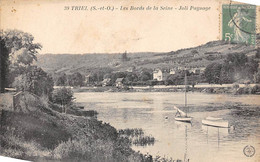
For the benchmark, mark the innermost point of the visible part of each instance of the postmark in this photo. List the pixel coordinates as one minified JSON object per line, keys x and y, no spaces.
{"x":249,"y":151}
{"x":239,"y":23}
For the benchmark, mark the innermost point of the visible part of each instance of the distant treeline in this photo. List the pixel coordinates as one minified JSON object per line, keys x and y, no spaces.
{"x":236,"y":67}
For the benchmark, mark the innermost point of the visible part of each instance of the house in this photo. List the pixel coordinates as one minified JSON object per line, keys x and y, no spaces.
{"x":194,"y":70}
{"x":106,"y":82}
{"x":197,"y":71}
{"x":202,"y":70}
{"x":119,"y":82}
{"x":160,"y":75}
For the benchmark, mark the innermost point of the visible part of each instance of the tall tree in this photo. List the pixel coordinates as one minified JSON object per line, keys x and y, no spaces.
{"x":22,"y":51}
{"x":124,"y":57}
{"x":36,"y":81}
{"x":63,"y":96}
{"x":4,"y":55}
{"x":212,"y":73}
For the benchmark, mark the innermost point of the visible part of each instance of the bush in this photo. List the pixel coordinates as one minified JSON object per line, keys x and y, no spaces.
{"x":235,"y":85}
{"x":36,"y":81}
{"x":84,"y":150}
{"x":255,"y":89}
{"x":62,"y":96}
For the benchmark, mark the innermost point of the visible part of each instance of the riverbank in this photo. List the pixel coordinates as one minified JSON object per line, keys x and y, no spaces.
{"x":235,"y":89}
{"x":36,"y":131}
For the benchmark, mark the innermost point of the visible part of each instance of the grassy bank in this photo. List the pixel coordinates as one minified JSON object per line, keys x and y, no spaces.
{"x":35,"y":131}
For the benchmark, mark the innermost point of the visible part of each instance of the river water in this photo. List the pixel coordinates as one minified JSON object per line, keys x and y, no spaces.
{"x":154,"y":113}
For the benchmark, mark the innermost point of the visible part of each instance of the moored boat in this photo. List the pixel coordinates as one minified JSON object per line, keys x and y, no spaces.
{"x":216,"y":122}
{"x":180,"y":115}
{"x":183,"y":118}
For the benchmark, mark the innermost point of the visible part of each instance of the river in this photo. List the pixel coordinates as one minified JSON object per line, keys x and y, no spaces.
{"x":154,"y":113}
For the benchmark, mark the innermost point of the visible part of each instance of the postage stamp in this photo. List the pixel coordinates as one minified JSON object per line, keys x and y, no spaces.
{"x":239,"y":23}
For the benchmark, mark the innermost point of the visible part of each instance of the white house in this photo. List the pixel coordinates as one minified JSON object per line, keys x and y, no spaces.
{"x":160,"y":75}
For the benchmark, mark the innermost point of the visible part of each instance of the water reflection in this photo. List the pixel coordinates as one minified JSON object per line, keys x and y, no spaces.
{"x":179,"y":140}
{"x":215,"y":133}
{"x":180,"y":126}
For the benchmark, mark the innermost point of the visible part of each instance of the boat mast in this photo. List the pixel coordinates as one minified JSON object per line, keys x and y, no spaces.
{"x":185,"y":80}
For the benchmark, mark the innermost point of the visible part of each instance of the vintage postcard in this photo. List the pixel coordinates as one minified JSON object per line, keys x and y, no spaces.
{"x":130,"y":80}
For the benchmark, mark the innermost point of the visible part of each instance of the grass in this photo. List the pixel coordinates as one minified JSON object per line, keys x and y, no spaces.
{"x":136,"y":136}
{"x":131,"y":132}
{"x":144,"y":140}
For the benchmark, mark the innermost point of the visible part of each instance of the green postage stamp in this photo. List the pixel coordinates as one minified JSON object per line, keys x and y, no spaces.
{"x":239,"y":23}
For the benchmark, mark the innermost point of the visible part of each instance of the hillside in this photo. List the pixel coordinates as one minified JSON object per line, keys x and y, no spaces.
{"x":200,"y":56}
{"x":34,"y":131}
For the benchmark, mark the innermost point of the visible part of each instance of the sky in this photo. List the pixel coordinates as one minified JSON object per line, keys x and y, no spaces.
{"x":76,"y":32}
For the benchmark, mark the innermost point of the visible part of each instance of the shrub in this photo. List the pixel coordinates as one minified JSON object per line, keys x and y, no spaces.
{"x":235,"y":85}
{"x":62,"y":96}
{"x":255,"y":89}
{"x":36,"y":81}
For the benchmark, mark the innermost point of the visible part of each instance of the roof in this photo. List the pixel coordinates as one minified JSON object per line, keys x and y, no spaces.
{"x":119,"y":79}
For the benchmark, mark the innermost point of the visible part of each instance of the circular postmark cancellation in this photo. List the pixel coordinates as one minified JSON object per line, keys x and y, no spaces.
{"x":249,"y":151}
{"x":239,"y":23}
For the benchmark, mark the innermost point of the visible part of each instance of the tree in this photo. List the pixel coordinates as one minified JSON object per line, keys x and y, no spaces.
{"x":36,"y":81}
{"x":238,"y":67}
{"x":4,"y":62}
{"x":75,"y":79}
{"x":145,"y":76}
{"x":22,"y":51}
{"x":61,"y":80}
{"x":212,"y":73}
{"x":63,"y":96}
{"x":257,"y":55}
{"x":124,"y":57}
{"x":257,"y":77}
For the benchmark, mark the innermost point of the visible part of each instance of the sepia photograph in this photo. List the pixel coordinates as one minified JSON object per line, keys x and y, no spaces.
{"x":129,"y":81}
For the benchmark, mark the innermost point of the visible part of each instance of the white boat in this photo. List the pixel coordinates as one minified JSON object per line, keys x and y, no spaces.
{"x":180,"y":115}
{"x":183,"y":118}
{"x":215,"y":122}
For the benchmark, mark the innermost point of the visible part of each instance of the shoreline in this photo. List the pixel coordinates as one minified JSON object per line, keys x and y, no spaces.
{"x":61,"y":135}
{"x":210,"y":89}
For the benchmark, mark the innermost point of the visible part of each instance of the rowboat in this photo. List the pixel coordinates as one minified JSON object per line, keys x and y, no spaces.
{"x":215,"y":122}
{"x":183,"y":119}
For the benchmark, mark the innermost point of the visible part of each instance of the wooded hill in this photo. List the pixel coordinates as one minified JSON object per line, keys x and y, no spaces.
{"x":200,"y":56}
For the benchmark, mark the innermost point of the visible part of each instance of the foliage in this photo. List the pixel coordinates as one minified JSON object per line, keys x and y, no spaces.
{"x":61,"y":80}
{"x":255,"y":89}
{"x":131,"y":132}
{"x":257,"y":77}
{"x":237,"y":67}
{"x":145,"y":76}
{"x":23,"y":50}
{"x":62,"y":96}
{"x":75,"y":79}
{"x":257,"y":55}
{"x":124,"y":57}
{"x":4,"y":62}
{"x":212,"y":72}
{"x":36,"y":81}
